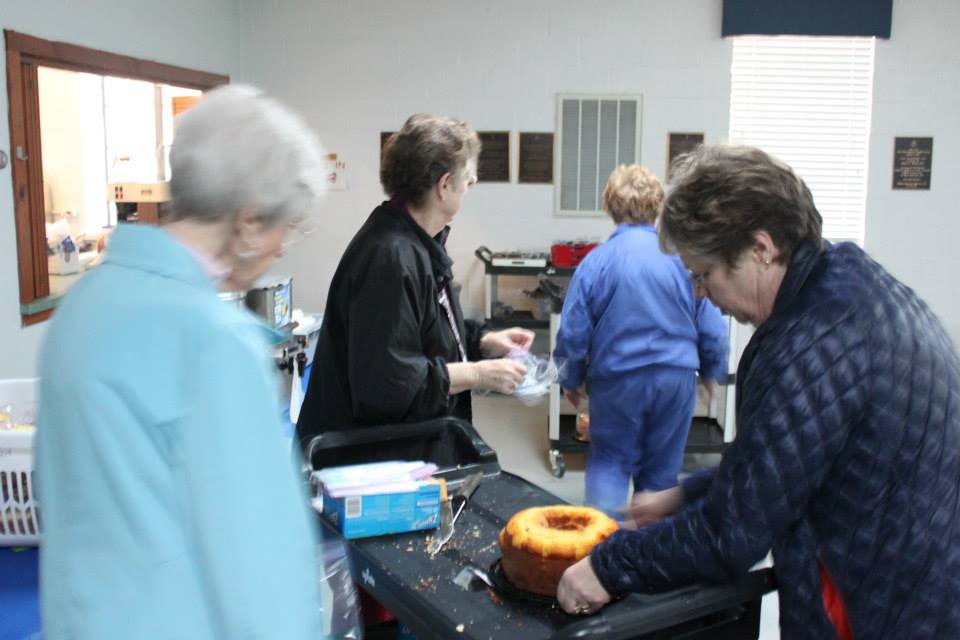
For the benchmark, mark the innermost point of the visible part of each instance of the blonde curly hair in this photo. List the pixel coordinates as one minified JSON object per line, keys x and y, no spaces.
{"x":634,"y":195}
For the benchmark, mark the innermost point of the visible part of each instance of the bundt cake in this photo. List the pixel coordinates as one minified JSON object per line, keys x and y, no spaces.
{"x":538,"y":544}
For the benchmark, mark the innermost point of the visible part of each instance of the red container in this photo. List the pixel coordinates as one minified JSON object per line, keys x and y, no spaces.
{"x":570,"y":254}
{"x":371,"y":611}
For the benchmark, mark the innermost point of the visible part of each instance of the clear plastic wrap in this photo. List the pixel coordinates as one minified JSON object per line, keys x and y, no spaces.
{"x":541,"y":373}
{"x":341,"y":615}
{"x":535,"y":386}
{"x":19,"y":415}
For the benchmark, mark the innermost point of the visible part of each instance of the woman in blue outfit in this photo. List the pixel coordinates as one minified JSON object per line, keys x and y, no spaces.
{"x":847,"y":456}
{"x":631,"y":324}
{"x":171,"y":508}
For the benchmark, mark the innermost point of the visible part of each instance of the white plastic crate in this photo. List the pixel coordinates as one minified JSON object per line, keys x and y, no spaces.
{"x":19,"y":517}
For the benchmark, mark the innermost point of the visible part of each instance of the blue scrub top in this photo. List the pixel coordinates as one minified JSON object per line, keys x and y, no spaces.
{"x":631,"y":306}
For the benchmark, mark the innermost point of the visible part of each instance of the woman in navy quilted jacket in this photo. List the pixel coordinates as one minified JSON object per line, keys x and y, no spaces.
{"x":847,"y":461}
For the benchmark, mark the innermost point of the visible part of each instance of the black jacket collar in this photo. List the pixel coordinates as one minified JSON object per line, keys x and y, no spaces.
{"x":435,"y":246}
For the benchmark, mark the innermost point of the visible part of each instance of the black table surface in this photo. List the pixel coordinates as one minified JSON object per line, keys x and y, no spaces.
{"x":420,"y":591}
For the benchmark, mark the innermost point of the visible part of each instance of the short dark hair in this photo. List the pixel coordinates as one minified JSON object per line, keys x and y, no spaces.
{"x":722,"y":195}
{"x":424,"y":149}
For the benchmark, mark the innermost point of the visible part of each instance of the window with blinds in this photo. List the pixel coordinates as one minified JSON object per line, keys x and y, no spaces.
{"x":807,"y":101}
{"x":595,"y":135}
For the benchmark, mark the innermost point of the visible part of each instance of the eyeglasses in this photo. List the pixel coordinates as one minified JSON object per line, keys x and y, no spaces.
{"x":698,"y":277}
{"x":298,"y":229}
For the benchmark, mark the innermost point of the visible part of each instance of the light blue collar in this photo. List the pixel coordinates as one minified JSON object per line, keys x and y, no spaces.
{"x":154,"y":250}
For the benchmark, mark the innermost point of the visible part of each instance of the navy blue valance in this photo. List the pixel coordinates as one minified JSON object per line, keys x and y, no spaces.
{"x":807,"y":17}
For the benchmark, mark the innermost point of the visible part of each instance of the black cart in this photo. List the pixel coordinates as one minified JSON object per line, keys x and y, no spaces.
{"x":420,"y":590}
{"x":705,"y":436}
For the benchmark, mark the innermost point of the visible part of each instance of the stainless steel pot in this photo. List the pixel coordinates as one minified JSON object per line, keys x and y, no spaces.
{"x":272,"y":299}
{"x":237,"y":298}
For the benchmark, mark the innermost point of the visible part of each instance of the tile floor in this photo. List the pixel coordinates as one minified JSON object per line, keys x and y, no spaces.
{"x":518,"y":434}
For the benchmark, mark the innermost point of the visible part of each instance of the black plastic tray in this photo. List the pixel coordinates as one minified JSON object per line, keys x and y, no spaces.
{"x":419,"y":589}
{"x":503,"y":588}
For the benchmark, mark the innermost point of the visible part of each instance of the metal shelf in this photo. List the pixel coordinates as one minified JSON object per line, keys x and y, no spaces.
{"x":518,"y":318}
{"x":550,"y":270}
{"x":568,"y":442}
{"x":706,"y":436}
{"x":523,"y":319}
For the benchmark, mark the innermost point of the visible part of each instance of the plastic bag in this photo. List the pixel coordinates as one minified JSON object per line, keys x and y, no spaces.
{"x":21,"y":416}
{"x":535,"y":386}
{"x":338,"y":593}
{"x":541,"y":373}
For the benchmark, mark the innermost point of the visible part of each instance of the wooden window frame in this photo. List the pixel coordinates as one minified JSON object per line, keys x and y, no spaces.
{"x":24,"y":55}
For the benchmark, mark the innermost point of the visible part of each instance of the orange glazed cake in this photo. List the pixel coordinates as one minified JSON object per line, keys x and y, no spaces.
{"x":538,"y":544}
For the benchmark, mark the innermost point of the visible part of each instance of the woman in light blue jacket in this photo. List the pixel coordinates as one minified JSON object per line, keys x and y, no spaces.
{"x":170,"y":505}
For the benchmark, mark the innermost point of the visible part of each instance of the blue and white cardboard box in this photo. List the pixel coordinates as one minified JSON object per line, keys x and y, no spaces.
{"x":374,"y":514}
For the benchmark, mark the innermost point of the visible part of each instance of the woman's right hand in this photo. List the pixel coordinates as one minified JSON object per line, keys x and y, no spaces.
{"x":501,"y":374}
{"x":648,"y":507}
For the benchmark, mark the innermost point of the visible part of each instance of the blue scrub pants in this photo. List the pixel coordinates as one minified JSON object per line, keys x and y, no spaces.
{"x":638,"y":429}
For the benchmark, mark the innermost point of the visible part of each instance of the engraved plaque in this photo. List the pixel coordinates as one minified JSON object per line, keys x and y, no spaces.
{"x":912,"y":163}
{"x":494,"y":163}
{"x":536,"y":158}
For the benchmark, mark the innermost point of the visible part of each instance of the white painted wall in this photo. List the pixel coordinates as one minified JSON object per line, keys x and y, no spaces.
{"x":915,"y":234}
{"x":200,"y":35}
{"x":355,"y":69}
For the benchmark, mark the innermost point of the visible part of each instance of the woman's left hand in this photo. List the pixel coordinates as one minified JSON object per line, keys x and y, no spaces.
{"x":580,"y":591}
{"x":574,"y":396}
{"x":499,"y":343}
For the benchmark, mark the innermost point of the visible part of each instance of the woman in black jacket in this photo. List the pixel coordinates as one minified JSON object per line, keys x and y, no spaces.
{"x":394,"y":347}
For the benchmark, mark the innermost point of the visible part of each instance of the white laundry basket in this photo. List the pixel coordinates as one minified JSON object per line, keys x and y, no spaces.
{"x":19,"y":517}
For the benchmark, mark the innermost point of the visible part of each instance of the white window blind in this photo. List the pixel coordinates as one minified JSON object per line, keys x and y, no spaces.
{"x":807,"y":101}
{"x":595,"y":134}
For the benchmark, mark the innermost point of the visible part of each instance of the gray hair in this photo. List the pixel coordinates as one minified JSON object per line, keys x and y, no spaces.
{"x":238,"y":149}
{"x":721,"y":195}
{"x":424,"y":149}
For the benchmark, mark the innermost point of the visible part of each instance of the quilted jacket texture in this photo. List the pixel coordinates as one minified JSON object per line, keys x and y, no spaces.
{"x":848,"y":412}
